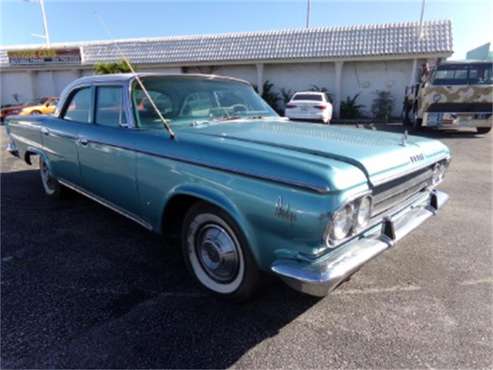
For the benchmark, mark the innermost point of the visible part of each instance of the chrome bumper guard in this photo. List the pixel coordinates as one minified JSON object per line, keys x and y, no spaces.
{"x":324,"y":275}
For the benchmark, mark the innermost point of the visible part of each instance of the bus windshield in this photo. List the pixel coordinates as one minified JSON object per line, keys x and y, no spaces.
{"x":463,"y":74}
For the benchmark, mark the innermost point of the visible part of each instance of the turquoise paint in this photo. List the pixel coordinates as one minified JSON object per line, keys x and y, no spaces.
{"x":242,"y":166}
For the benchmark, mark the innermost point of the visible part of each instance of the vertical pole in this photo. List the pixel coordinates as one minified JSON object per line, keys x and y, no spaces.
{"x":412,"y":81}
{"x":421,"y":19}
{"x":45,"y":22}
{"x":338,"y":89}
{"x":308,"y":10}
{"x":260,"y":78}
{"x":32,"y":81}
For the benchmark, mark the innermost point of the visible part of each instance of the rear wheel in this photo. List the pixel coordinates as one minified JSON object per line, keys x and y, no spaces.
{"x":216,"y":253}
{"x":51,"y":185}
{"x":35,"y":113}
{"x":483,"y":130}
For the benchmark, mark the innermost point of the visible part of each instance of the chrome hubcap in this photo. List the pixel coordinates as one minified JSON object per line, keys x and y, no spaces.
{"x":217,"y":253}
{"x":46,"y":177}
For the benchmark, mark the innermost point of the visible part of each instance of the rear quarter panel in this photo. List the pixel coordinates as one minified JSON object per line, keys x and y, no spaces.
{"x":25,"y":132}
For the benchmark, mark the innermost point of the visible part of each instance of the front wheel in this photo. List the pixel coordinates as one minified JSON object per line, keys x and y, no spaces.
{"x":216,"y":253}
{"x":483,"y":130}
{"x":51,"y":186}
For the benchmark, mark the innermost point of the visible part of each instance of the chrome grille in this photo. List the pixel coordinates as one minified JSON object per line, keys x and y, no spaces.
{"x":392,"y":193}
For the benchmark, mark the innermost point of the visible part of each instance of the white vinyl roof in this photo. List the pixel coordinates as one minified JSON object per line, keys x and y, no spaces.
{"x":395,"y":39}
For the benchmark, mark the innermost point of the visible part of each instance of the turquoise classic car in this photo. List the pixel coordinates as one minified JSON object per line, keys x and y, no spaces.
{"x":205,"y":159}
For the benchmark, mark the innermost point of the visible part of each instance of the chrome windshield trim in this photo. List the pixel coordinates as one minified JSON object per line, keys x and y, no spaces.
{"x":106,"y":203}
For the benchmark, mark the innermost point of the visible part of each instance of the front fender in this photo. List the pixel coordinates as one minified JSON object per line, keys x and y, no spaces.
{"x":221,"y":201}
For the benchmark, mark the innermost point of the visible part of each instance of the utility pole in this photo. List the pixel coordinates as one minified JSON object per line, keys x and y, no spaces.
{"x":308,"y":10}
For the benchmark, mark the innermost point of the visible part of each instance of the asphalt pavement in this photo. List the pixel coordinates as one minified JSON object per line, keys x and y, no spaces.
{"x":82,"y":287}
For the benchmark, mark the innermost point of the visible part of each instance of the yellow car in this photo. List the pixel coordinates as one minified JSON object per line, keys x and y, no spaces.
{"x":44,"y":105}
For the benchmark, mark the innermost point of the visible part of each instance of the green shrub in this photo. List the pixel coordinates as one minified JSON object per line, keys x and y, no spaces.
{"x":382,"y":105}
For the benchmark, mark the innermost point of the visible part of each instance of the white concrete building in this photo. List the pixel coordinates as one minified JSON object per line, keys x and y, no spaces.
{"x":345,"y":60}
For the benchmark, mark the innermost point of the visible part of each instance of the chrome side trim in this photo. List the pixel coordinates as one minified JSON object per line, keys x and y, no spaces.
{"x":325,"y":274}
{"x":56,"y":133}
{"x":296,"y":184}
{"x":107,"y":204}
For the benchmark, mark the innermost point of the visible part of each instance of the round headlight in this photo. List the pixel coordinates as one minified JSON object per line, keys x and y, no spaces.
{"x":342,"y":221}
{"x":364,"y":212}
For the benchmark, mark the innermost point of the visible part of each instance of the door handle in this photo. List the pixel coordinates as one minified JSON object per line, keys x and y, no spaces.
{"x":83,"y":141}
{"x":45,"y":131}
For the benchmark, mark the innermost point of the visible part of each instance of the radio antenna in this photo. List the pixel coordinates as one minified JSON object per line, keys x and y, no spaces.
{"x":139,"y":81}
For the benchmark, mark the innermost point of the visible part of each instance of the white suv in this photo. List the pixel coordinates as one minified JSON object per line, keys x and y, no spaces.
{"x":309,"y":105}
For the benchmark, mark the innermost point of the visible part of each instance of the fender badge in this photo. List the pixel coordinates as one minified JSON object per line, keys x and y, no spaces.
{"x":283,"y":211}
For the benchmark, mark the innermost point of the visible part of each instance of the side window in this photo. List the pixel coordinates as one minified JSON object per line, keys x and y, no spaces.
{"x":79,"y":107}
{"x":109,"y":106}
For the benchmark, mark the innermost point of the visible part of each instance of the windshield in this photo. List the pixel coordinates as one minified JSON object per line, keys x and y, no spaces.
{"x":463,"y":74}
{"x":185,"y":99}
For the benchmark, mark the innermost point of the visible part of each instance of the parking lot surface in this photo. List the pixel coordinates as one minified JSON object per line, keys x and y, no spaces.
{"x":82,"y":287}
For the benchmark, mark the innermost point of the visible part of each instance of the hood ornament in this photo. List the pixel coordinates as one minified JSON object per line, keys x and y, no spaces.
{"x":404,"y":138}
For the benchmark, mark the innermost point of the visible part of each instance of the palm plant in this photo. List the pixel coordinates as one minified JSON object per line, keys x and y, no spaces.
{"x":350,"y":109}
{"x":269,"y":95}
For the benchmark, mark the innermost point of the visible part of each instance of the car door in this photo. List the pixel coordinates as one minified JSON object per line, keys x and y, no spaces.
{"x":60,"y":135}
{"x":107,"y":161}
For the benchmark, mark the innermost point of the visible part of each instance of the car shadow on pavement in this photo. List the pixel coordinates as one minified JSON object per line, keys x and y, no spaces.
{"x":83,"y":287}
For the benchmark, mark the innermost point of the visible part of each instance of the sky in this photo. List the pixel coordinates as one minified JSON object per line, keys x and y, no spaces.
{"x":69,"y":21}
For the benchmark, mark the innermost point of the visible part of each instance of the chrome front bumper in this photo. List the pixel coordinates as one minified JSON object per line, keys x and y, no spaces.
{"x":325,"y":274}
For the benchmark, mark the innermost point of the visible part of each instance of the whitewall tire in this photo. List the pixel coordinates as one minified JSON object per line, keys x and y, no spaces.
{"x":216,"y":253}
{"x":50,"y":184}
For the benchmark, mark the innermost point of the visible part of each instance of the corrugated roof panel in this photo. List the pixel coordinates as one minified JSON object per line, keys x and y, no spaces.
{"x":335,"y":42}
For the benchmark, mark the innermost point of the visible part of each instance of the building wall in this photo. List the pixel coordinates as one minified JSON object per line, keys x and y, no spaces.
{"x":483,"y":52}
{"x":245,"y":72}
{"x":366,"y":78}
{"x":300,"y":76}
{"x":15,"y":83}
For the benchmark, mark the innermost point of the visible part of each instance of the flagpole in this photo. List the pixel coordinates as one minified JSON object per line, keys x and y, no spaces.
{"x":308,"y":10}
{"x":45,"y":22}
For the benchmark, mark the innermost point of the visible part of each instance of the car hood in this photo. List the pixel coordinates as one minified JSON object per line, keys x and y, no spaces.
{"x":379,"y":155}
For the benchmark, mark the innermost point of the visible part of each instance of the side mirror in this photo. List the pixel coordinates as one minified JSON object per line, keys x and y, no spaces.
{"x":47,"y":104}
